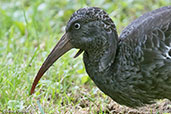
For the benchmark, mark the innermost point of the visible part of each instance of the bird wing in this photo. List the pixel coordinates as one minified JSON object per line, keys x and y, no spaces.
{"x":149,"y":38}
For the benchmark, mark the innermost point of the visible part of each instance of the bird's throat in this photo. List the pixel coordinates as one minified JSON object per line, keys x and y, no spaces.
{"x":99,"y":59}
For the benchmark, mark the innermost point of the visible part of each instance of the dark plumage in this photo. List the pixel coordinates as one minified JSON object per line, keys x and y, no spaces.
{"x":133,"y":69}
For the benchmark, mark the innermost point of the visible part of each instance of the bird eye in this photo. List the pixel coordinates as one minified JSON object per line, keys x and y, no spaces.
{"x":76,"y":25}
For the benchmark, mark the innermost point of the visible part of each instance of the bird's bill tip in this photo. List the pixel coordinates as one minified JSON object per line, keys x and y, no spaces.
{"x":60,"y":49}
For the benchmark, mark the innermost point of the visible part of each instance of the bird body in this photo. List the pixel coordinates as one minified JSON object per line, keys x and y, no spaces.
{"x":133,"y":69}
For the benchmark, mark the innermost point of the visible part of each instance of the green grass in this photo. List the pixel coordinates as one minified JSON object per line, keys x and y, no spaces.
{"x":29,"y":29}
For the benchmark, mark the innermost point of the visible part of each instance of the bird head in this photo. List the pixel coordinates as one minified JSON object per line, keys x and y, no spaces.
{"x":86,"y":30}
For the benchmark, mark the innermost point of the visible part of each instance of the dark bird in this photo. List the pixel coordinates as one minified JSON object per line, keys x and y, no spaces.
{"x":133,"y":69}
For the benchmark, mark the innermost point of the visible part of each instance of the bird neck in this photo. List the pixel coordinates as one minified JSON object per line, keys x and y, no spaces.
{"x":93,"y":58}
{"x":100,"y":58}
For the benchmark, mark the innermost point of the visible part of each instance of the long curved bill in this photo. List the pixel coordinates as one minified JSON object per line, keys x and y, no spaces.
{"x":61,"y":48}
